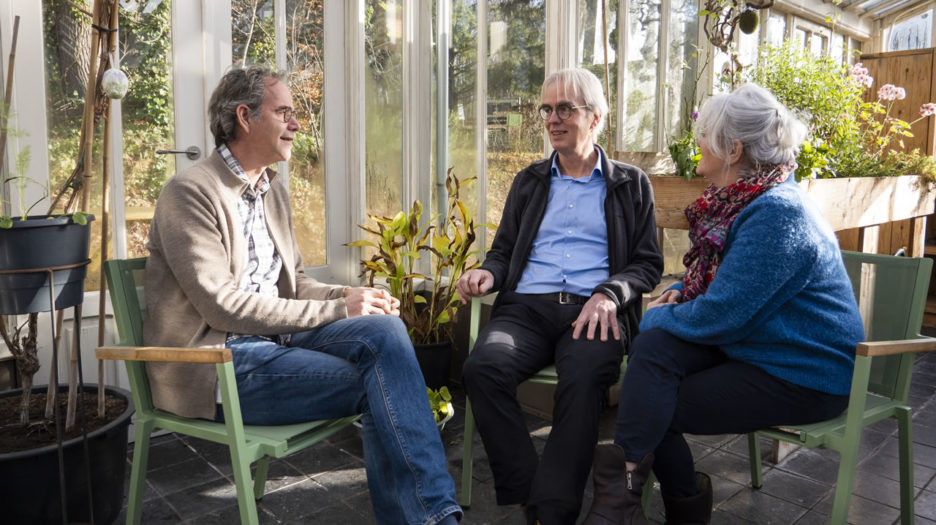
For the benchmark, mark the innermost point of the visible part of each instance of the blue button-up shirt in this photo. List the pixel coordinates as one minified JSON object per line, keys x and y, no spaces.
{"x":570,"y":252}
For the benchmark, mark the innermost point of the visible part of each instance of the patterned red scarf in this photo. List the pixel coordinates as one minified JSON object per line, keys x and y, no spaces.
{"x":710,"y":219}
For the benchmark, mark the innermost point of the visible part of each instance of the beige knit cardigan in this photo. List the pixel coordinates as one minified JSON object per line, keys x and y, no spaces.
{"x":197,"y":253}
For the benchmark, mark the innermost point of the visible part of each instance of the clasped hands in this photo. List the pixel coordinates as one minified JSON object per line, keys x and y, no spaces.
{"x":370,"y":301}
{"x":598,"y":314}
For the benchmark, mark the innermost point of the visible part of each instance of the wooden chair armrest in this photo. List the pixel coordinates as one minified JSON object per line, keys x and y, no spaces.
{"x":882,"y":348}
{"x":168,"y":354}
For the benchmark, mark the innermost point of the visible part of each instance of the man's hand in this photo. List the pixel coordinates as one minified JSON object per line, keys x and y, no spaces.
{"x":599,"y":311}
{"x":668,"y":297}
{"x":474,"y":283}
{"x":370,"y":301}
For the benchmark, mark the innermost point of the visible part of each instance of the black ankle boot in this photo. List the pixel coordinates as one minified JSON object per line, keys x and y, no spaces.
{"x":617,"y":492}
{"x":694,"y":510}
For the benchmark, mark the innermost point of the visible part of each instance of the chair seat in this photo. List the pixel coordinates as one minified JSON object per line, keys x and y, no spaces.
{"x":815,"y":434}
{"x":546,"y":376}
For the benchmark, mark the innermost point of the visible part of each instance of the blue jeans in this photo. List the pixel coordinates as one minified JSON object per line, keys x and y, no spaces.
{"x":362,"y":365}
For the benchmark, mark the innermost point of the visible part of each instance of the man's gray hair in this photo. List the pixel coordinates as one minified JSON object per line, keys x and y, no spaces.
{"x":581,"y":82}
{"x":769,"y":133}
{"x":238,"y":86}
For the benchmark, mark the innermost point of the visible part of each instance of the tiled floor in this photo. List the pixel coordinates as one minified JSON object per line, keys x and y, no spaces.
{"x":190,"y":480}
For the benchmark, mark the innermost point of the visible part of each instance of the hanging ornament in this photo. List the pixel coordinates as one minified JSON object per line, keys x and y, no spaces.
{"x":747,"y":21}
{"x":114,"y":82}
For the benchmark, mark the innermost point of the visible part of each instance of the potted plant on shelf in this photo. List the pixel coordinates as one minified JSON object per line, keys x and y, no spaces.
{"x":856,"y":146}
{"x":428,"y":303}
{"x":43,"y":256}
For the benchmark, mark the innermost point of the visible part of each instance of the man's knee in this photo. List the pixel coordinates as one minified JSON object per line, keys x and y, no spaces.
{"x":483,"y":365}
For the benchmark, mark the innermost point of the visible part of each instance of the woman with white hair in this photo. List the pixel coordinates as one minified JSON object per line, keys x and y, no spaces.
{"x":575,"y":250}
{"x":760,"y":332}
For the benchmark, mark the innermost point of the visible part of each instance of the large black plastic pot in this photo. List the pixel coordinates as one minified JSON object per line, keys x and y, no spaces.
{"x":29,"y":487}
{"x":435,"y":361}
{"x":36,"y":243}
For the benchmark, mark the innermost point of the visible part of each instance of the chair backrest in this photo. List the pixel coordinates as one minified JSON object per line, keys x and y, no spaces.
{"x":891,"y":293}
{"x":125,"y":281}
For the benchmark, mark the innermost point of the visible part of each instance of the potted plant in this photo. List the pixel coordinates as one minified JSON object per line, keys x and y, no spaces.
{"x":428,"y":303}
{"x":43,"y":255}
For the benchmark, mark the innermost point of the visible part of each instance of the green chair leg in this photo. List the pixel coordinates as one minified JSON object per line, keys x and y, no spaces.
{"x":467,"y":455}
{"x":263,"y":466}
{"x":246,"y":504}
{"x":754,"y":458}
{"x":844,"y":483}
{"x":138,"y":471}
{"x":905,"y":445}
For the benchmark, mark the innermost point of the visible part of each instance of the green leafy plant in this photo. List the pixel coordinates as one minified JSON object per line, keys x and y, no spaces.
{"x":440,"y":401}
{"x":19,"y":181}
{"x":427,"y":303}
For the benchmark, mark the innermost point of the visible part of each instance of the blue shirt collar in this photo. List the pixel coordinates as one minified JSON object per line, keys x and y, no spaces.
{"x":597,"y":171}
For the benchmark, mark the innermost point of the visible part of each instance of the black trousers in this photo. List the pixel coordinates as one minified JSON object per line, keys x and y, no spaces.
{"x":524,"y":335}
{"x":673,"y":386}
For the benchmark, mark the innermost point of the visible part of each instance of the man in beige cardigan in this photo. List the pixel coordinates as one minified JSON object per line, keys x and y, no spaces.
{"x":225,"y":270}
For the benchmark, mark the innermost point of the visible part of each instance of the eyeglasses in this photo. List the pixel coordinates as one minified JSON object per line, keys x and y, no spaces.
{"x":287,"y":113}
{"x":563,"y":110}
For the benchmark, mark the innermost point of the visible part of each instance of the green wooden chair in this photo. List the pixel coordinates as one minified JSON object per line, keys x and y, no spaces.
{"x":546,"y":376}
{"x":247,"y":443}
{"x":891,"y":293}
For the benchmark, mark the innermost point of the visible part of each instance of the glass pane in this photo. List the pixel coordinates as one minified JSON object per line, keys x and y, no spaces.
{"x":591,"y":53}
{"x":683,"y":62}
{"x":383,"y":106}
{"x":747,"y":47}
{"x":640,"y":75}
{"x":462,"y":105}
{"x":147,"y":111}
{"x":912,"y":34}
{"x":776,"y":29}
{"x":516,"y":70}
{"x":817,"y":44}
{"x":837,"y":49}
{"x":147,"y":115}
{"x":304,"y":60}
{"x":253,"y":34}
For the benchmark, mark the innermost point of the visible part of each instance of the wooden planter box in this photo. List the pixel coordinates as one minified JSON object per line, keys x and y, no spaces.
{"x":869,"y":214}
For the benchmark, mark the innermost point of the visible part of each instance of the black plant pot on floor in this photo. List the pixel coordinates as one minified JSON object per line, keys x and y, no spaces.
{"x":435,"y":361}
{"x":29,"y":488}
{"x":36,"y":243}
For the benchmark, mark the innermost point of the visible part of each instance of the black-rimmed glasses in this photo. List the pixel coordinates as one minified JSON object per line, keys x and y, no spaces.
{"x":563,"y":110}
{"x":287,"y":113}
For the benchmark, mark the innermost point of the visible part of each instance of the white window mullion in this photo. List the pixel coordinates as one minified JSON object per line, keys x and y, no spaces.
{"x":481,"y":117}
{"x":443,"y":43}
{"x":417,"y":102}
{"x":344,"y":151}
{"x":622,"y":43}
{"x":662,"y":68}
{"x":279,"y":53}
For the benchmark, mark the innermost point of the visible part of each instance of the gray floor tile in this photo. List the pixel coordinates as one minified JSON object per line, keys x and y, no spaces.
{"x":189,"y":480}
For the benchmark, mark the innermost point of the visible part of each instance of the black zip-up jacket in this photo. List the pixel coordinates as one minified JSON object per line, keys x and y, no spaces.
{"x":634,"y":257}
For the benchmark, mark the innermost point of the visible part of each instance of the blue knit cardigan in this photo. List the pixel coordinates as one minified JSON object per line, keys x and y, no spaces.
{"x":781,"y":299}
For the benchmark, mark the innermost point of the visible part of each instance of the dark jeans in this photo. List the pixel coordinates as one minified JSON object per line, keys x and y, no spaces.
{"x":524,"y":335}
{"x":674,"y":386}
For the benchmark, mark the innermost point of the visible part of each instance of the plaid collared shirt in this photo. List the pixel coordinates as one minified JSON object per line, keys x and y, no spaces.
{"x":263,"y":263}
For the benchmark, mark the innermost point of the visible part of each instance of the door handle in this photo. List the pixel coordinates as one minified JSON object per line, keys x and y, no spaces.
{"x":192,"y":152}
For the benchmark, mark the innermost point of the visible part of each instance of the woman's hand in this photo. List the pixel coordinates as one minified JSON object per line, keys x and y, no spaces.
{"x":474,"y":283}
{"x":668,"y":297}
{"x":370,"y":301}
{"x":599,"y":311}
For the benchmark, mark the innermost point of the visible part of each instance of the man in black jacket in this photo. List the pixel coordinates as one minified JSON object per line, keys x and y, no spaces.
{"x":570,"y":280}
